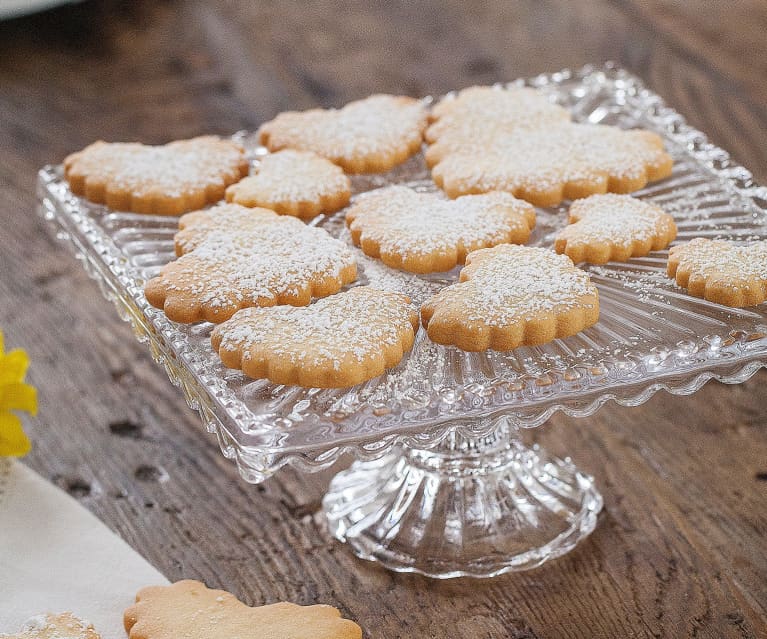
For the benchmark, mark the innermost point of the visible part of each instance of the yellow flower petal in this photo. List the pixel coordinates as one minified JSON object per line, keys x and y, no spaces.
{"x":13,"y":441}
{"x":18,"y":397}
{"x":13,"y":366}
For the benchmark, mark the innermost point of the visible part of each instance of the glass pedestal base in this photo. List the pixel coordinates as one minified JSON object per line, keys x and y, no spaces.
{"x":470,"y":507}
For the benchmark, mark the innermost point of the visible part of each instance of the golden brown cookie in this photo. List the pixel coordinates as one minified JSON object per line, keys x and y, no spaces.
{"x":424,"y":233}
{"x":488,"y":138}
{"x":161,"y":180}
{"x":510,"y":296}
{"x":549,"y":164}
{"x":721,"y":271}
{"x":233,"y":257}
{"x":467,"y":114}
{"x":61,"y":626}
{"x":299,"y":183}
{"x":189,"y":610}
{"x":335,"y":342}
{"x":610,"y":227}
{"x":366,"y":136}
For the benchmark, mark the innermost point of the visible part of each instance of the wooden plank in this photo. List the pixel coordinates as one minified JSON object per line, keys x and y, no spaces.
{"x":680,"y":548}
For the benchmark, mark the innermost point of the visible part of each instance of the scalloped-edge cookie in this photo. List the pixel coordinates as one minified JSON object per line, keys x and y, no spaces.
{"x":365,"y":136}
{"x":55,"y":626}
{"x":160,"y":180}
{"x":510,"y":296}
{"x":515,"y":139}
{"x":721,"y":271}
{"x":298,"y":183}
{"x":425,"y":233}
{"x":188,"y":609}
{"x":233,"y":257}
{"x":335,"y":342}
{"x":614,"y":228}
{"x":549,"y":164}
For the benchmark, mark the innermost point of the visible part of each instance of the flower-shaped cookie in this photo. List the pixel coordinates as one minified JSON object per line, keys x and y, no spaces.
{"x":488,"y":139}
{"x":299,"y":183}
{"x":338,"y":341}
{"x":60,"y":626}
{"x":510,"y":296}
{"x":546,"y":165}
{"x":423,"y":233}
{"x":161,"y":180}
{"x":234,"y":257}
{"x":365,"y":136}
{"x":612,"y":227}
{"x":721,"y":271}
{"x":188,"y":609}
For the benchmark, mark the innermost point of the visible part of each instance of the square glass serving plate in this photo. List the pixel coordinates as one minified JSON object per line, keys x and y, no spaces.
{"x":651,"y":335}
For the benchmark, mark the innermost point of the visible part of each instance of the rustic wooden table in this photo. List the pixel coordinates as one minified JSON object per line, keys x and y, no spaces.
{"x":681,"y":547}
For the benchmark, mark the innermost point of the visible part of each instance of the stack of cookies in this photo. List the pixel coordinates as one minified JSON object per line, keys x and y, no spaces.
{"x":277,"y":286}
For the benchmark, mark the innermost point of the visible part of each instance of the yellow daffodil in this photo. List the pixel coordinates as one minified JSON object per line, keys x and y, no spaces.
{"x":15,"y":395}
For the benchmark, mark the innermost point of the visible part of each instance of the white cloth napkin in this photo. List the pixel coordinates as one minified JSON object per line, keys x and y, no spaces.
{"x":56,"y":556}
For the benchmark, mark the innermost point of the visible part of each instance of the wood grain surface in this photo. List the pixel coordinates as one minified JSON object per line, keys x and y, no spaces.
{"x":681,"y":547}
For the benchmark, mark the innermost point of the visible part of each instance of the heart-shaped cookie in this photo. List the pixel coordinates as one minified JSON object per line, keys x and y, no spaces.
{"x":424,"y":233}
{"x":612,"y":227}
{"x":335,"y":342}
{"x":365,"y":136}
{"x":299,"y":183}
{"x":721,"y":271}
{"x":233,"y":257}
{"x":510,"y":296}
{"x":189,"y":609}
{"x":161,"y":180}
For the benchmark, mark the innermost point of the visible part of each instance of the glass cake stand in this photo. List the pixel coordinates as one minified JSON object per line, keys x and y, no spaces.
{"x":442,"y":484}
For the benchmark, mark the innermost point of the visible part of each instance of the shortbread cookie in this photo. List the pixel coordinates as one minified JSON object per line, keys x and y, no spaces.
{"x":610,"y":227}
{"x":338,"y":341}
{"x":549,"y":164}
{"x":61,"y":626}
{"x":161,"y":180}
{"x":299,"y":183}
{"x":721,"y":271}
{"x":233,"y":257}
{"x":510,"y":296}
{"x":365,"y":136}
{"x":188,"y":609}
{"x":468,"y":113}
{"x":424,"y":233}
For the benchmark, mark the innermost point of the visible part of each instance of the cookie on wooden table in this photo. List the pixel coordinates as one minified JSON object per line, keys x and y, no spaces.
{"x":721,"y":271}
{"x":188,"y":609}
{"x":55,"y":626}
{"x":160,"y":180}
{"x":335,"y":342}
{"x":613,"y":228}
{"x":424,"y":233}
{"x":233,"y":257}
{"x":298,"y":183}
{"x":510,"y":296}
{"x":365,"y":136}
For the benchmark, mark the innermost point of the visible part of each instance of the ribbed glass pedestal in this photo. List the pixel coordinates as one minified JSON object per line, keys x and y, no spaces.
{"x":469,"y":507}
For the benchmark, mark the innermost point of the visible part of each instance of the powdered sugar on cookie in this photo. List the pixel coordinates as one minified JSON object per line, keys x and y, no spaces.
{"x":55,"y":626}
{"x":289,"y":182}
{"x":234,"y":257}
{"x":721,"y":271}
{"x":338,"y":341}
{"x":423,"y":233}
{"x":614,"y":227}
{"x":162,"y":180}
{"x":365,"y":136}
{"x":510,"y":296}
